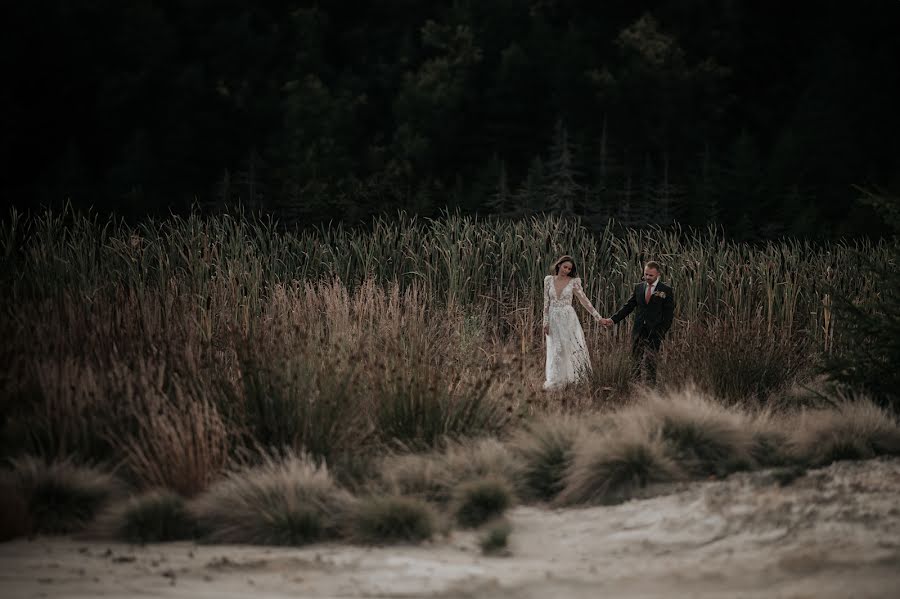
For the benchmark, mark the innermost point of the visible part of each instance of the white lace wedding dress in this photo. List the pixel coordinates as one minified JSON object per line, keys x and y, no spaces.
{"x":568,"y":361}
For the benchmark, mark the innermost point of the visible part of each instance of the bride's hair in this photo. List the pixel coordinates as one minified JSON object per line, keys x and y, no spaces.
{"x":559,"y":263}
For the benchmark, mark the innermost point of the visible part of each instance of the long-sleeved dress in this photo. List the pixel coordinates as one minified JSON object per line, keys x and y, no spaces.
{"x":567,"y":354}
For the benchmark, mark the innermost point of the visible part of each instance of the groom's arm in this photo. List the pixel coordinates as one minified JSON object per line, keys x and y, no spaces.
{"x":625,"y":310}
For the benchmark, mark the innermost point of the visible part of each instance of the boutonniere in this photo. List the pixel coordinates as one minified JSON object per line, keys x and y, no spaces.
{"x":659,"y":294}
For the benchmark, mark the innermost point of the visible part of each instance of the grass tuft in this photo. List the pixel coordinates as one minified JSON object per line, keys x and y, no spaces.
{"x":391,"y":519}
{"x":153,"y":517}
{"x":282,"y":502}
{"x":613,"y":467}
{"x":479,"y":501}
{"x":855,"y":430}
{"x":62,"y":497}
{"x":705,"y":437}
{"x":424,"y":476}
{"x":495,"y":539}
{"x":546,"y":448}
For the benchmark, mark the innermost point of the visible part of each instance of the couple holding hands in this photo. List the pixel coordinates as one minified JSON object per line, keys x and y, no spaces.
{"x":568,"y":361}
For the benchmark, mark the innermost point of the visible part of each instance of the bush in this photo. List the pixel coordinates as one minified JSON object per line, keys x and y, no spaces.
{"x":495,"y":539}
{"x":388,"y":519}
{"x":855,"y":430}
{"x":546,"y":448}
{"x":705,"y":437}
{"x":282,"y":502}
{"x":613,"y":467}
{"x":61,"y":497}
{"x":153,"y":517}
{"x":478,"y":501}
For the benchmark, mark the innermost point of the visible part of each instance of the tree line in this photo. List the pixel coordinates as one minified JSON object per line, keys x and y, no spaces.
{"x":759,"y":119}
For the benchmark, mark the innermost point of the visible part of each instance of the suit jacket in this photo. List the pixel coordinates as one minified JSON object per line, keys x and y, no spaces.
{"x":653,"y":318}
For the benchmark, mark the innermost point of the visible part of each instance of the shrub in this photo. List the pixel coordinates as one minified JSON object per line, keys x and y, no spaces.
{"x":478,"y":501}
{"x":153,"y":517}
{"x":855,"y":430}
{"x":612,"y":467}
{"x":62,"y":497}
{"x":705,"y":437}
{"x":546,"y":448}
{"x":495,"y":538}
{"x":392,"y":520}
{"x":281,"y":502}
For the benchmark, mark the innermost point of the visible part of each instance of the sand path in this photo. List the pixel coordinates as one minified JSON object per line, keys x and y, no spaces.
{"x":834,"y":532}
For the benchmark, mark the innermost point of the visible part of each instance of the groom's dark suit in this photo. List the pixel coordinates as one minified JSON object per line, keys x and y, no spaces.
{"x":651,"y":322}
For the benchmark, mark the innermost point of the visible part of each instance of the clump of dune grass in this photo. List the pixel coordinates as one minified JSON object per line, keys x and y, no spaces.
{"x":289,"y":501}
{"x":545,"y":449}
{"x":61,"y":497}
{"x":152,"y":517}
{"x":424,"y":476}
{"x":613,"y":467}
{"x":770,"y":444}
{"x":434,"y":475}
{"x":478,"y":501}
{"x":392,"y":519}
{"x":495,"y":538}
{"x":705,"y":438}
{"x":481,"y":458}
{"x":854,"y":430}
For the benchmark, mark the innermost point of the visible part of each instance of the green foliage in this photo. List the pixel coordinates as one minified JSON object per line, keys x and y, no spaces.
{"x":871,"y":322}
{"x":481,"y":500}
{"x":392,"y":519}
{"x":61,"y":496}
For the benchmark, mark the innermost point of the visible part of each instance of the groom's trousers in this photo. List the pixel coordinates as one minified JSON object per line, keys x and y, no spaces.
{"x":645,"y":348}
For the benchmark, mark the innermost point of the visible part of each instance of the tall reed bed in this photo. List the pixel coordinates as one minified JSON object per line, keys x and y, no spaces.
{"x":124,"y":340}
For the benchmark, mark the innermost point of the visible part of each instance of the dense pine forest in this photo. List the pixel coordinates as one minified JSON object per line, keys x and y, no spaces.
{"x":766,"y":119}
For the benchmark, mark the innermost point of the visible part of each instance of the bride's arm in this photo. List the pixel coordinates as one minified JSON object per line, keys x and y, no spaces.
{"x":579,"y":293}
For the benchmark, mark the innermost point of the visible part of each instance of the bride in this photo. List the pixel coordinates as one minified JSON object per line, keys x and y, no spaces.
{"x":567,"y":355}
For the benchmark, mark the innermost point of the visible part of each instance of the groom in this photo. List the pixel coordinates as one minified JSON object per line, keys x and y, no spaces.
{"x":655,"y":305}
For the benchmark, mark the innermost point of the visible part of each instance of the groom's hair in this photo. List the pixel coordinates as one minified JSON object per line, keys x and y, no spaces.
{"x":559,"y":263}
{"x":653,"y":264}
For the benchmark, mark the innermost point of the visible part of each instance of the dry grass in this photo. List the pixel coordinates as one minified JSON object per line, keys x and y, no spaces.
{"x":282,"y":502}
{"x":392,"y":519}
{"x":704,"y":437}
{"x":424,"y":476}
{"x":478,"y":501}
{"x":613,"y":467}
{"x":62,"y":497}
{"x":152,"y":517}
{"x":854,"y":430}
{"x":545,"y":448}
{"x":15,"y":519}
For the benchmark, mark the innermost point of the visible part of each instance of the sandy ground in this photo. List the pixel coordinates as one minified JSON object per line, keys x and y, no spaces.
{"x":833,"y":532}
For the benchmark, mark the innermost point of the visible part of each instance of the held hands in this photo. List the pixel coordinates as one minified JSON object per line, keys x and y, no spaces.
{"x":607,"y":322}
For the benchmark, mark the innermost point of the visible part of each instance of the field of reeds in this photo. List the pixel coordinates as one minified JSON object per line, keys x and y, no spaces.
{"x":222,"y":367}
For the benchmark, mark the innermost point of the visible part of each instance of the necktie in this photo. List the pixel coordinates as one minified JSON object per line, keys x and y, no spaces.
{"x":647,"y":296}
